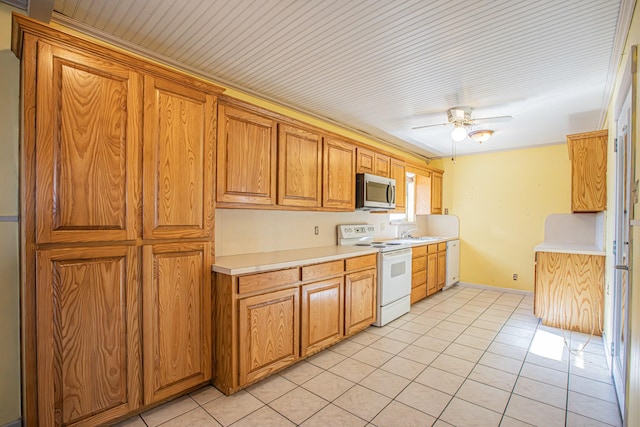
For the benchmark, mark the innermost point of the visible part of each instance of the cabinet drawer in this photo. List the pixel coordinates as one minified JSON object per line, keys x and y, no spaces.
{"x":419,"y":251}
{"x":419,"y":278}
{"x":325,"y":269}
{"x":418,"y":264}
{"x":360,"y":262}
{"x":418,"y":293}
{"x":271,"y":279}
{"x":442,"y":246}
{"x":432,"y":249}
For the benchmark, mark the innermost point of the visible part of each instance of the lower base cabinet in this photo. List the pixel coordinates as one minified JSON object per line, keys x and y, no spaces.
{"x":268,"y":321}
{"x":268,"y":329}
{"x":569,"y":291}
{"x":322,"y":315}
{"x":429,"y":270}
{"x":176,"y":318}
{"x":88,"y":334}
{"x":360,"y":301}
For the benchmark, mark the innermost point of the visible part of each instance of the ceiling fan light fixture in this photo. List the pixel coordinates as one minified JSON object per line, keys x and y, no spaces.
{"x":459,"y":133}
{"x":480,"y":136}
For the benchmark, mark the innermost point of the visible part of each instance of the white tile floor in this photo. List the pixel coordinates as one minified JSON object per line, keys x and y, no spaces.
{"x":463,"y":357}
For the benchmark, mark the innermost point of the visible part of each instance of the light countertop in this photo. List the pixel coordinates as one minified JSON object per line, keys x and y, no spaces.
{"x":266,"y":261}
{"x":570,"y":248}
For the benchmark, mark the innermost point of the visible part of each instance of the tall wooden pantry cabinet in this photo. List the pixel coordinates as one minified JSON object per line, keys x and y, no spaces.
{"x":117,"y":161}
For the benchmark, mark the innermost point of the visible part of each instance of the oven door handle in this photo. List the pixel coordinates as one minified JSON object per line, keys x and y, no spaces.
{"x":396,"y":254}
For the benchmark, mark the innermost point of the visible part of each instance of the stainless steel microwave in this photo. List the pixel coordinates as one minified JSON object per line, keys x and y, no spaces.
{"x":375,"y":192}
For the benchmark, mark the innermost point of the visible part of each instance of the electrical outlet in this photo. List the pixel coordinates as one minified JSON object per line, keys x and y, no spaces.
{"x":446,"y":211}
{"x":515,"y":276}
{"x":316,"y":230}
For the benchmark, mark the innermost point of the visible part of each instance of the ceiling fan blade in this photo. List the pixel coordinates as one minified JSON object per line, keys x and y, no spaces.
{"x":498,"y":119}
{"x":430,"y":126}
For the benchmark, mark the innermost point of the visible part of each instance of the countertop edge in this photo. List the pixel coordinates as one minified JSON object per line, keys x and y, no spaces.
{"x":290,"y":259}
{"x":569,"y":249}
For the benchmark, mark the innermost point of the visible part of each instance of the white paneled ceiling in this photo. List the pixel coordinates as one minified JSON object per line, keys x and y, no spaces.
{"x":385,"y":66}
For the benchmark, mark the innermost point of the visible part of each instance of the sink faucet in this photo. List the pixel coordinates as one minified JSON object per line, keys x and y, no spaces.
{"x":406,"y":234}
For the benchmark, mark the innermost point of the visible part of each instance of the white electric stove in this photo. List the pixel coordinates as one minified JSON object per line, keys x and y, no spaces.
{"x":394,"y":270}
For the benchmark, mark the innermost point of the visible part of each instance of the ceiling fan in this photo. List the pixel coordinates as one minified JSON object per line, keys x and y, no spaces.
{"x":460,"y":118}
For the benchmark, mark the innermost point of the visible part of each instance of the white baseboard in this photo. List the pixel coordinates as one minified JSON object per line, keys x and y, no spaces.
{"x":16,"y":423}
{"x":493,"y":288}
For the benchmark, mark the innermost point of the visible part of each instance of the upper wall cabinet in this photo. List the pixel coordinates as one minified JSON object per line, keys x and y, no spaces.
{"x":179,"y":140}
{"x":436,"y":193}
{"x":372,"y":162}
{"x":398,"y":172}
{"x":339,"y":176}
{"x":246,"y":162}
{"x":87,"y":148}
{"x":300,"y":167}
{"x":588,"y":155}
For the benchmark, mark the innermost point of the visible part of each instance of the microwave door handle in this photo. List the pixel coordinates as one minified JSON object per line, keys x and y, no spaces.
{"x":389,"y":190}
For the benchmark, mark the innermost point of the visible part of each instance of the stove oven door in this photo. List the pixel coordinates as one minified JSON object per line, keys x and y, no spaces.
{"x":394,"y":277}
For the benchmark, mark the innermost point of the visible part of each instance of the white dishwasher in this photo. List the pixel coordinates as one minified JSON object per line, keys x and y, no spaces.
{"x":453,"y":262}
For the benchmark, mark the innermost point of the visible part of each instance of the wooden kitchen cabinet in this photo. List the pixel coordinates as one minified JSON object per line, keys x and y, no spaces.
{"x":422,"y":190}
{"x":87,"y":147}
{"x":359,"y":301}
{"x":268,"y":331}
{"x":178,"y":160}
{"x":436,"y":193}
{"x":88,"y":334}
{"x":398,"y":172}
{"x":588,"y":156}
{"x":176,"y":318}
{"x":432,"y":269}
{"x":339,"y":187}
{"x":369,"y":161}
{"x":569,"y":291}
{"x":246,"y":161}
{"x":442,"y":265}
{"x":418,"y":273}
{"x":299,"y":167}
{"x":322,"y":320}
{"x":116,"y":152}
{"x":267,"y":321}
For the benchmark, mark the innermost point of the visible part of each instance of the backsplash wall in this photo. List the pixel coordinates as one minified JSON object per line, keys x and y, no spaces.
{"x":241,"y":231}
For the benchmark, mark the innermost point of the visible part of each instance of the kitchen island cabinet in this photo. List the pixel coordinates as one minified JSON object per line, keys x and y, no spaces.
{"x":268,"y":319}
{"x":569,"y":291}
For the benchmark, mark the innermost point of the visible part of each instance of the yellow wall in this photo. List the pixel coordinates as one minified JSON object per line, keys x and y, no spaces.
{"x":9,"y":283}
{"x":502,"y":199}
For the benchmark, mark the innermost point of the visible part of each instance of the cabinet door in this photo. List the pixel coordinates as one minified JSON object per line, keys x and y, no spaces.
{"x":322,"y":319}
{"x":300,"y":167}
{"x":246,"y":163}
{"x":179,"y":142}
{"x":423,"y":193}
{"x":360,"y":301}
{"x":399,"y":173}
{"x":366,"y":161}
{"x":588,"y":155}
{"x":569,"y":291}
{"x":442,"y":269}
{"x":436,"y":193}
{"x":339,"y":177}
{"x":88,"y":334}
{"x":268,"y":328}
{"x":432,"y":273}
{"x":177,"y":318}
{"x":87,"y":148}
{"x":383,"y":165}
